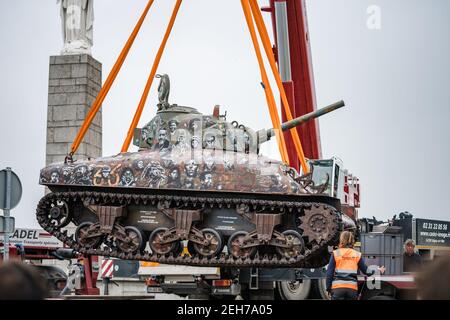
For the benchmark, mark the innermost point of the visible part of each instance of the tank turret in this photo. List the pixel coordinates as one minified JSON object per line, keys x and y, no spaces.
{"x":179,"y":128}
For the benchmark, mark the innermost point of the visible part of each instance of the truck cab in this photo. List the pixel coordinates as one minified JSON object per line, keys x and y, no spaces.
{"x":340,"y":183}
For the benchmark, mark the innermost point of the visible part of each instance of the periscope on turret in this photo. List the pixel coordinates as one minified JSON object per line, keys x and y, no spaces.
{"x":195,"y":178}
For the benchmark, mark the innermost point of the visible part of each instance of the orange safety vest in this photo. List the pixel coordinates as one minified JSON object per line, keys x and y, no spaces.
{"x":346,"y":271}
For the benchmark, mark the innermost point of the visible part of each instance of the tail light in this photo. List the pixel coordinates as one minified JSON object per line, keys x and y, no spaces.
{"x":222,"y":283}
{"x":151,"y":282}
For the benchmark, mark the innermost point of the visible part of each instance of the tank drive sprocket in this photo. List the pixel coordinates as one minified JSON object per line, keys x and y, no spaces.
{"x":318,"y":224}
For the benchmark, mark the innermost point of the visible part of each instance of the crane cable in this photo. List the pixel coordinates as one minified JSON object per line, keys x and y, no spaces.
{"x":266,"y":84}
{"x":270,"y":55}
{"x":108,"y":83}
{"x":140,"y":108}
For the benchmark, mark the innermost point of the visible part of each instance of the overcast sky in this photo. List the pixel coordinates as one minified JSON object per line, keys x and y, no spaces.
{"x":393,"y":135}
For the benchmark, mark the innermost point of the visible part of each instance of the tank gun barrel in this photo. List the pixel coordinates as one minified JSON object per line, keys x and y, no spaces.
{"x":299,"y":121}
{"x":312,"y":115}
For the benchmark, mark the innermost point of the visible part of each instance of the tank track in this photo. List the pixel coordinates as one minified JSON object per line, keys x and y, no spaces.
{"x":308,"y":259}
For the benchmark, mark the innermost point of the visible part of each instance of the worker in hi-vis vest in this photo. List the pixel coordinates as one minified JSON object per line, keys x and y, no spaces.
{"x":342,"y":273}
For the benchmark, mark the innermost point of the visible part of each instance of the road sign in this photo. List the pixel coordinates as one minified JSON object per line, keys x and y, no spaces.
{"x":10,"y":189}
{"x":10,"y":194}
{"x":107,"y":268}
{"x":7,"y":224}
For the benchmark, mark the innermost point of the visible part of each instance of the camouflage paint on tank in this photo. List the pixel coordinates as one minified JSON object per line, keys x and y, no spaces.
{"x":213,"y":170}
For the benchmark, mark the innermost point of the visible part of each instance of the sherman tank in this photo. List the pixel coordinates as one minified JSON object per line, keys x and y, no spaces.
{"x":198,"y":183}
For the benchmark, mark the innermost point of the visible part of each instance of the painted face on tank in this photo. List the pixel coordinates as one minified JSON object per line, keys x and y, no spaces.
{"x":140,"y":164}
{"x":228,"y":164}
{"x":144,"y":134}
{"x":156,"y":171}
{"x":195,"y":142}
{"x":210,"y":141}
{"x":173,"y":125}
{"x":181,"y":137}
{"x":127,"y":178}
{"x":162,"y":135}
{"x":191,"y":169}
{"x":106,"y":171}
{"x":174,"y":174}
{"x":207,"y":180}
{"x":81,"y":172}
{"x":54,"y":177}
{"x":67,"y":174}
{"x":209,"y":163}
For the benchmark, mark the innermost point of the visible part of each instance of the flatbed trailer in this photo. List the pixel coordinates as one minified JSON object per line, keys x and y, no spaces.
{"x":285,"y":284}
{"x":298,"y":284}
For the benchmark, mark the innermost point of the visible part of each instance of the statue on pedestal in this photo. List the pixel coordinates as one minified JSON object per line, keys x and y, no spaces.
{"x":77,"y":17}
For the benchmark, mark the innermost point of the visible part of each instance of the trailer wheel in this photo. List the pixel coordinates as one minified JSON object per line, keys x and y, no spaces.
{"x":294,"y":290}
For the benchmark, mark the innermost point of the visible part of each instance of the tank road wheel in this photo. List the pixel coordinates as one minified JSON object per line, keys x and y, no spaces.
{"x":83,"y":236}
{"x":295,"y":243}
{"x":59,"y":214}
{"x":214,"y":246}
{"x":133,"y":242}
{"x":156,"y":245}
{"x":234,"y":245}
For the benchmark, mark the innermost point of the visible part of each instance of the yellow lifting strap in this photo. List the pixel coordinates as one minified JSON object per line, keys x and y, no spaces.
{"x":267,"y":88}
{"x":140,"y":108}
{"x":268,"y":49}
{"x":109,"y":81}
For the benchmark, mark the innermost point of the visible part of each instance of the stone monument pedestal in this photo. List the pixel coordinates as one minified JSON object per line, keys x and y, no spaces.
{"x":74,"y":83}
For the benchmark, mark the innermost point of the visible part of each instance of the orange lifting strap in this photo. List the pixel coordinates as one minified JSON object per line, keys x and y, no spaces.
{"x":109,"y":81}
{"x":266,"y":84}
{"x":140,"y":108}
{"x":268,"y":48}
{"x":251,"y":11}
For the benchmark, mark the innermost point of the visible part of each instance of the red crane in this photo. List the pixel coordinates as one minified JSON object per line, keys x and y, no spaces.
{"x":293,"y":53}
